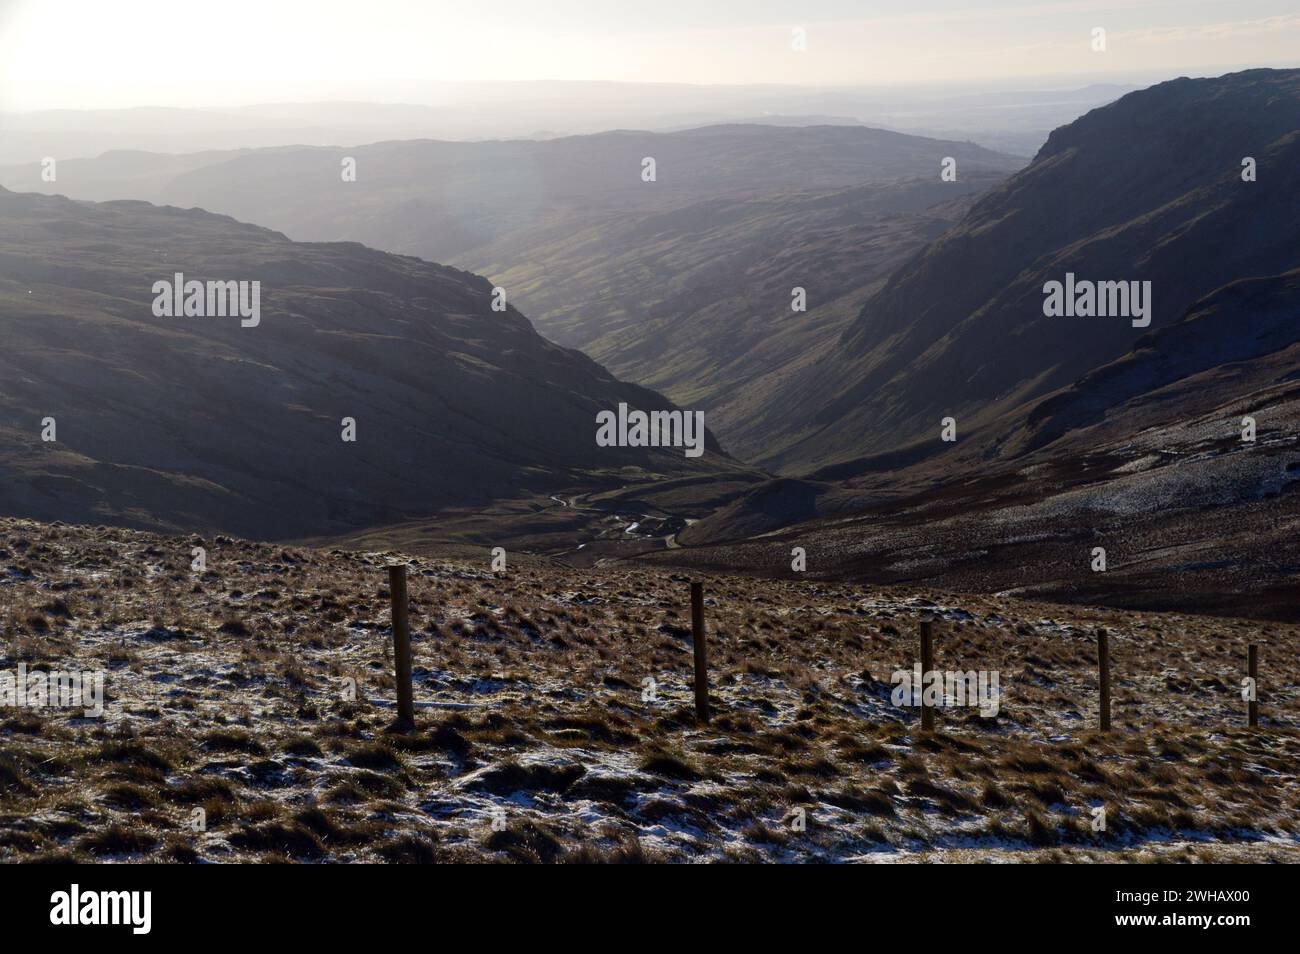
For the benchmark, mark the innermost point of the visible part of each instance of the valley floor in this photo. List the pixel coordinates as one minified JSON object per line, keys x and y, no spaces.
{"x":555,"y":720}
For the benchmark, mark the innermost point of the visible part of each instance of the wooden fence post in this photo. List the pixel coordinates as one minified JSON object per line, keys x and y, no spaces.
{"x":927,"y":667}
{"x":401,"y":645}
{"x":1252,"y":670}
{"x":1103,"y":668}
{"x":701,"y":655}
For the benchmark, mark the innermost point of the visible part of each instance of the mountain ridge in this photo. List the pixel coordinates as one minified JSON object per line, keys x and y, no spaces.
{"x":959,"y":329}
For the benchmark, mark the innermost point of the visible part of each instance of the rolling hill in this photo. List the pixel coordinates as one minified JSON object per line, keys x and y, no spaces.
{"x":1191,"y":517}
{"x":1072,"y":433}
{"x":203,"y":423}
{"x":697,"y":302}
{"x":682,"y":284}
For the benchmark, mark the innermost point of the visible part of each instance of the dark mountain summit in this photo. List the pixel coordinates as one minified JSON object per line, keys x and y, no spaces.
{"x":1172,"y":447}
{"x":1149,"y":188}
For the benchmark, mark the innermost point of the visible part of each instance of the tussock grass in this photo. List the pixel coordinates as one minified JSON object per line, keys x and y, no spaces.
{"x":264,"y":695}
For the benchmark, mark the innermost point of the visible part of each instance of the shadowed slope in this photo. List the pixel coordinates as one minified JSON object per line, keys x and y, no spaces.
{"x":199,"y":422}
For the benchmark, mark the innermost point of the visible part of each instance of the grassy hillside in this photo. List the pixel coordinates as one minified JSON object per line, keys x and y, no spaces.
{"x":200,"y":422}
{"x":682,"y":284}
{"x":1147,"y":189}
{"x":230,"y":691}
{"x":696,"y":302}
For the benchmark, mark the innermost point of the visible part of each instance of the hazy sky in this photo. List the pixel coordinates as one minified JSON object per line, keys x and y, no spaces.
{"x":101,"y":53}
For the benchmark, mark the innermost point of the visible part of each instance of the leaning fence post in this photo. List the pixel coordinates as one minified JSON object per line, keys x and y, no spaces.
{"x":927,"y":667}
{"x":1103,"y":670}
{"x":701,"y":655}
{"x":401,"y":645}
{"x":1252,"y":670}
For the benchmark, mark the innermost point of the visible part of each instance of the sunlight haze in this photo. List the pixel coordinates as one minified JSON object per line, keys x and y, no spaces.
{"x":150,"y":52}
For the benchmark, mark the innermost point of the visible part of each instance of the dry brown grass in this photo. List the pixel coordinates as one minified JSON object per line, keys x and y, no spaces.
{"x":232,"y":692}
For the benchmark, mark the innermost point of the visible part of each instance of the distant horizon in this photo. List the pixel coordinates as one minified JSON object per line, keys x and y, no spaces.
{"x":121,"y":56}
{"x":1063,"y":83}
